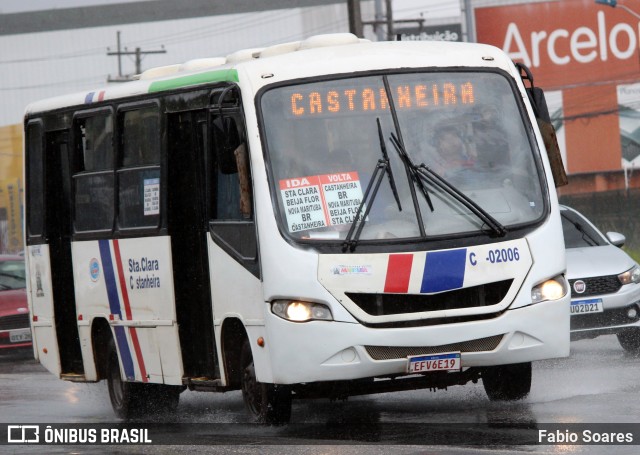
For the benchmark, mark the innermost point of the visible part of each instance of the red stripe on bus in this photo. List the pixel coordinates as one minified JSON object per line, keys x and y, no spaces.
{"x":127,"y":310}
{"x":398,"y":273}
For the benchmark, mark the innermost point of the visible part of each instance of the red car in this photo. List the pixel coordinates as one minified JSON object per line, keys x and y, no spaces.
{"x":15,"y":331}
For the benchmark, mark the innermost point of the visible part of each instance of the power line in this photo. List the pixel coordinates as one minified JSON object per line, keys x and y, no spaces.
{"x":139,"y":53}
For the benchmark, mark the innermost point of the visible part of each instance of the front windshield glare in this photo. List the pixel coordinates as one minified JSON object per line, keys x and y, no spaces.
{"x":323,"y":146}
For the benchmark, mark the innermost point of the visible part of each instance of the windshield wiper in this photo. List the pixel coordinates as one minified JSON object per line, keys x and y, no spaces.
{"x":423,"y":173}
{"x":382,"y":167}
{"x":412,"y":170}
{"x":385,"y":155}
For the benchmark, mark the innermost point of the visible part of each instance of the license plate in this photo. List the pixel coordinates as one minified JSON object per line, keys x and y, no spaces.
{"x":447,"y":361}
{"x":586,"y":306}
{"x":20,"y":336}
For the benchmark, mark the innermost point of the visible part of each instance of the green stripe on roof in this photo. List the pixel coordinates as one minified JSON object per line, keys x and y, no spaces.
{"x":229,"y":75}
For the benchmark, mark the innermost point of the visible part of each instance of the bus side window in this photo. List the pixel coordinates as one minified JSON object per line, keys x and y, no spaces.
{"x":35,"y":176}
{"x":93,"y":172}
{"x":232,"y":225}
{"x":232,"y":177}
{"x":139,"y":169}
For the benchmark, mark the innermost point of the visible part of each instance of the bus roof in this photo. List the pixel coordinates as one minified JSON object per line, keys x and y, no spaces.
{"x":318,"y":55}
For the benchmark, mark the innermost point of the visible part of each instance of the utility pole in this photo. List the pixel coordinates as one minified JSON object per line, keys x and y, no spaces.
{"x":388,"y":21}
{"x":355,"y":17}
{"x":138,"y":53}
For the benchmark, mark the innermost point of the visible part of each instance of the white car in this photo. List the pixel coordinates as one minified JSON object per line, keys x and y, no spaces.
{"x":604,"y":280}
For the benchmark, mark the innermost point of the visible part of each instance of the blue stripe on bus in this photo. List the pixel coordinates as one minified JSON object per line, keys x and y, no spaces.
{"x":444,"y":270}
{"x":114,"y":306}
{"x":89,"y":98}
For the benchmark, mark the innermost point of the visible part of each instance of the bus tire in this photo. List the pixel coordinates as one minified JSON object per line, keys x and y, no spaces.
{"x":630,"y":340}
{"x":267,"y":403}
{"x":132,"y":399}
{"x":507,"y":382}
{"x":125,"y":397}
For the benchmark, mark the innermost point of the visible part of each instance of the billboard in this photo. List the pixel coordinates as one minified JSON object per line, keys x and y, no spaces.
{"x":444,"y":32}
{"x":568,"y":43}
{"x":588,"y":53}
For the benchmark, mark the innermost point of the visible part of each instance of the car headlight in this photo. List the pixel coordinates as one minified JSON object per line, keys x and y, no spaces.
{"x":552,"y":289}
{"x":630,"y":276}
{"x":299,"y":311}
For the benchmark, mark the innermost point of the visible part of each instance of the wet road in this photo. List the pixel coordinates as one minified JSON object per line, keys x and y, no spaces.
{"x":599,"y":383}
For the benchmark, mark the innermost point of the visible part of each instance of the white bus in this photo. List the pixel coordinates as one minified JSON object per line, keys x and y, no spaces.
{"x":291,"y":222}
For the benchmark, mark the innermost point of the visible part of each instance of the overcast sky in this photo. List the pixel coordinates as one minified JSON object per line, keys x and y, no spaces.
{"x":35,"y":66}
{"x":402,"y":8}
{"x":20,"y":6}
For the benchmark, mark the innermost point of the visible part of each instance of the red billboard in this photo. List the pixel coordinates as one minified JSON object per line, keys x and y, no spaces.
{"x":587,"y":51}
{"x":565,"y":42}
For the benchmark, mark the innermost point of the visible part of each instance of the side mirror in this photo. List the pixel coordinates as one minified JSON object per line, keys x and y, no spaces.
{"x":548,"y":131}
{"x":616,"y":238}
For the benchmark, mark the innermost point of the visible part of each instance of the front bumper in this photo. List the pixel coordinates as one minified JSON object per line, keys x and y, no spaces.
{"x":614,"y":318}
{"x":333,"y":351}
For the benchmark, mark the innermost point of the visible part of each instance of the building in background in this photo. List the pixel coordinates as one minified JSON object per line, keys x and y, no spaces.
{"x":11,"y":208}
{"x":584,"y":55}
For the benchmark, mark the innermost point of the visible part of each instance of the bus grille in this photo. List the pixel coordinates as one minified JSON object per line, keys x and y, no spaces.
{"x":597,"y":285}
{"x":15,"y":321}
{"x":401,"y":352}
{"x":388,"y":304}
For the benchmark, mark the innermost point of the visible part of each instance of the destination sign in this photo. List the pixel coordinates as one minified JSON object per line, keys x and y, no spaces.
{"x":319,"y":201}
{"x":328,"y":101}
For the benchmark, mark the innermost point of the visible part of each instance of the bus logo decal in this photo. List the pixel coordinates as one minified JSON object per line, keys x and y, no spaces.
{"x":92,"y":98}
{"x":94,"y":269}
{"x":352,"y":270}
{"x":443,"y":271}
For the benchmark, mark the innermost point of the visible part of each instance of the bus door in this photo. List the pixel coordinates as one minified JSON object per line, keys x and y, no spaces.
{"x":58,"y":216}
{"x":53,"y":309}
{"x":187,"y":138}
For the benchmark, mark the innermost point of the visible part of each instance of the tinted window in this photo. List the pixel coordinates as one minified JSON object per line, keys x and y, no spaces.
{"x":139,"y":173}
{"x":140,"y":137}
{"x":578,"y":232}
{"x":94,"y":202}
{"x":94,"y":140}
{"x":139,"y":197}
{"x":93,"y":177}
{"x":35,"y":174}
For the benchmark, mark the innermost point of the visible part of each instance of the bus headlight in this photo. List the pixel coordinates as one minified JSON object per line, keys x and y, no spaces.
{"x":630,"y":276}
{"x":552,"y":289}
{"x":299,"y":311}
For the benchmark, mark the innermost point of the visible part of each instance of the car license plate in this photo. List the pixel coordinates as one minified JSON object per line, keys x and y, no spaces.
{"x":447,"y":361}
{"x":586,"y":306}
{"x":20,"y":336}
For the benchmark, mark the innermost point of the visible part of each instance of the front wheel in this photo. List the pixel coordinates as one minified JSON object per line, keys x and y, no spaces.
{"x":507,"y":382}
{"x":630,"y":340}
{"x":267,"y":403}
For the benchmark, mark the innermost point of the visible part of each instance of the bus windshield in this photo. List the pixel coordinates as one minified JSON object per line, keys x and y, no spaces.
{"x":323,"y":145}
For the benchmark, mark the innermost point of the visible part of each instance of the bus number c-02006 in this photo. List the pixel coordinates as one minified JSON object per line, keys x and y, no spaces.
{"x":497,"y":256}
